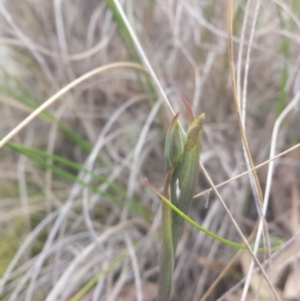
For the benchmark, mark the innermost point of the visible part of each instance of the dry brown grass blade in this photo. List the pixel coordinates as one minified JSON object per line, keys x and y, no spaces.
{"x":230,"y":264}
{"x":240,"y":233}
{"x":242,"y":131}
{"x":227,"y":267}
{"x":236,"y":100}
{"x":248,"y":171}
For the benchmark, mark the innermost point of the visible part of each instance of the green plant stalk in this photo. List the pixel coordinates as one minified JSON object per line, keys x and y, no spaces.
{"x":167,"y":251}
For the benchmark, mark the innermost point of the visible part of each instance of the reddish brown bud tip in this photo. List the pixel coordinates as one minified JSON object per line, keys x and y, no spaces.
{"x":188,"y":110}
{"x":175,"y":119}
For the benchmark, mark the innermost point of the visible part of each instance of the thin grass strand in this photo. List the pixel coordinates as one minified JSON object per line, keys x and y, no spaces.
{"x":63,"y":91}
{"x":143,"y":56}
{"x":240,"y":233}
{"x":277,"y":124}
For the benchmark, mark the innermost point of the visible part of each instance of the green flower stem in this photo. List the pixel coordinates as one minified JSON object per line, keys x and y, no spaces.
{"x":167,"y":252}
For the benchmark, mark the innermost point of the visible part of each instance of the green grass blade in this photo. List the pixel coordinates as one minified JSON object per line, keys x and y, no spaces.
{"x":88,"y":286}
{"x":31,"y":103}
{"x":128,"y":42}
{"x":34,"y":154}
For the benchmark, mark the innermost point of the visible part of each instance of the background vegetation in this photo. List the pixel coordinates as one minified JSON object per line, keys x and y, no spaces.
{"x":77,"y":219}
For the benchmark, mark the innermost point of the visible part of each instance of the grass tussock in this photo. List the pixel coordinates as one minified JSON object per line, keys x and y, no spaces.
{"x":78,"y":220}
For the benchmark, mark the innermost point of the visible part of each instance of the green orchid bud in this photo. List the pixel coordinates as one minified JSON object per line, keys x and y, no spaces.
{"x":175,"y":141}
{"x":187,"y":173}
{"x":189,"y":165}
{"x":194,"y":131}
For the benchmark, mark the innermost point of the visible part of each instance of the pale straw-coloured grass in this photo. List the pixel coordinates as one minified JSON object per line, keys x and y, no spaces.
{"x":100,"y":63}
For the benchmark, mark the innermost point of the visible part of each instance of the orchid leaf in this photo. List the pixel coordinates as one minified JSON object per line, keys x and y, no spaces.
{"x":204,"y":230}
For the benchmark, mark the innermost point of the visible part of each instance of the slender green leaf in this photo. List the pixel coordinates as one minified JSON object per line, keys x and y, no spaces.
{"x":201,"y":228}
{"x":34,"y":154}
